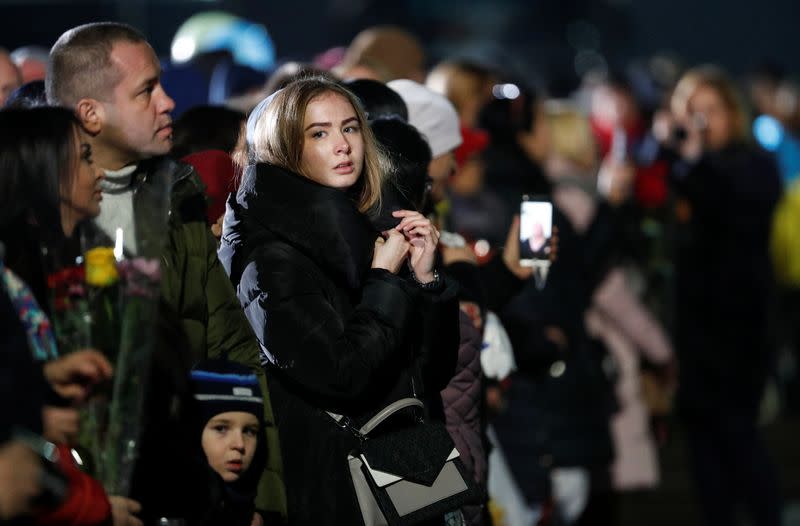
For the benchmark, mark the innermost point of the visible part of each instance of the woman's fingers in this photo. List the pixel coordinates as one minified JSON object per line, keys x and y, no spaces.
{"x":405,"y":213}
{"x":391,"y":252}
{"x":408,"y":223}
{"x":423,"y":237}
{"x":420,"y":227}
{"x":415,"y":224}
{"x":428,"y":236}
{"x":408,"y":216}
{"x":423,"y":231}
{"x":393,"y":235}
{"x":395,"y":241}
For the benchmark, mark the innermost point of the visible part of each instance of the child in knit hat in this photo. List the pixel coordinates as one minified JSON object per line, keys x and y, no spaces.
{"x":230,"y":409}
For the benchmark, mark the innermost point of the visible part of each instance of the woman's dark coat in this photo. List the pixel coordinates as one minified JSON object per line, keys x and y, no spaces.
{"x":337,"y":335}
{"x":724,"y":278}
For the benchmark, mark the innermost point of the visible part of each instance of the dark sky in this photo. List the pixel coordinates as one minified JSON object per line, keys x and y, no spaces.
{"x":533,"y":34}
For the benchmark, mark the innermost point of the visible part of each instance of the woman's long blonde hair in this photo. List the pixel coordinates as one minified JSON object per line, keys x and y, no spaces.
{"x":570,"y":134}
{"x":279,"y":135}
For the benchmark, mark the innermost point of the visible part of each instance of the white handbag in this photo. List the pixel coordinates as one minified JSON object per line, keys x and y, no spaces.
{"x":409,"y":475}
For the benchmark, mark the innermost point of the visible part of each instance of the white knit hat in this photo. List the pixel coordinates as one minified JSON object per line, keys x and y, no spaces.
{"x":252,"y":119}
{"x":432,"y":114}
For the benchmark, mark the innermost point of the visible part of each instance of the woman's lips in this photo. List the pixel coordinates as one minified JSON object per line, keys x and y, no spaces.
{"x":344,"y":168}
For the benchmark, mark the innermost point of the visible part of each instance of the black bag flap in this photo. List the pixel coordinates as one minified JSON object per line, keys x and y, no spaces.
{"x":417,"y":453}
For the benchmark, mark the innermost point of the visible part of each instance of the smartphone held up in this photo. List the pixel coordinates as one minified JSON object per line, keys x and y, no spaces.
{"x":535,"y":233}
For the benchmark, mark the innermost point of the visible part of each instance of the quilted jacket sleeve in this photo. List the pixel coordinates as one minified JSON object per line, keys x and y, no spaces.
{"x":462,"y":401}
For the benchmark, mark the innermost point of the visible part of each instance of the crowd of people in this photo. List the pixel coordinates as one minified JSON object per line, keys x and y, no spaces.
{"x":343,"y":246}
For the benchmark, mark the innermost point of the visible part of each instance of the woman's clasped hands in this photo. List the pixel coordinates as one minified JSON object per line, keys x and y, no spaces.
{"x":414,"y":239}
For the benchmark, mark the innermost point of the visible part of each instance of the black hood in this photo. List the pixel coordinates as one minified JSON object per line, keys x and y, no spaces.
{"x":393,"y":198}
{"x":321,"y":222}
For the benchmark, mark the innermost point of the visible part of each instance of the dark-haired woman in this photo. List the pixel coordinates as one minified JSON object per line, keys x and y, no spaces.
{"x":49,"y":186}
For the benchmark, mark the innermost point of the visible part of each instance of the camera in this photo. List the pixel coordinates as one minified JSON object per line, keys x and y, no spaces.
{"x":698,"y":122}
{"x":679,"y":134}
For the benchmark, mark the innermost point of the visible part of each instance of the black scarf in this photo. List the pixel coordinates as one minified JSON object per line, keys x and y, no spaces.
{"x":321,"y":222}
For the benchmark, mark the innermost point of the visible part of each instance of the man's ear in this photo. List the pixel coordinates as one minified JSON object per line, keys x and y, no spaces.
{"x":91,"y":114}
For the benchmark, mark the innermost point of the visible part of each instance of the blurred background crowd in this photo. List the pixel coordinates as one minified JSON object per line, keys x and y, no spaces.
{"x":654,"y":377}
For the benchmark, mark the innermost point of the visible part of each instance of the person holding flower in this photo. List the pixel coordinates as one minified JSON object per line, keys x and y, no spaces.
{"x":49,"y":186}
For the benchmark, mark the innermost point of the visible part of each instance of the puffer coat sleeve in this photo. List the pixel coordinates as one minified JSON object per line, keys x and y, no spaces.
{"x":298,"y":318}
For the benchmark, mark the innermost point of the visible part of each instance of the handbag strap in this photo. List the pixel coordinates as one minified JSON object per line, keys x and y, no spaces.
{"x":388,"y":411}
{"x":376,"y":420}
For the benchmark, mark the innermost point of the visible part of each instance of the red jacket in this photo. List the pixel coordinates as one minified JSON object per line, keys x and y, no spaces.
{"x":86,"y":503}
{"x":216,"y":170}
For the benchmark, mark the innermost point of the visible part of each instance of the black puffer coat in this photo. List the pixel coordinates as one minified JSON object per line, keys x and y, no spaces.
{"x":339,"y":335}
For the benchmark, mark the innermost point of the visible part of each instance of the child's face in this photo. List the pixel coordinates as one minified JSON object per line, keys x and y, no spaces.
{"x":229,"y":441}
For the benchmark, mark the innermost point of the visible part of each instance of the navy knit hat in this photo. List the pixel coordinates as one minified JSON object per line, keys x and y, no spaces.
{"x":221,"y":386}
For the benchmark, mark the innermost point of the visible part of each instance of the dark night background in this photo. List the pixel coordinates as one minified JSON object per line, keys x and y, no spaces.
{"x":547,"y":42}
{"x":541,"y":39}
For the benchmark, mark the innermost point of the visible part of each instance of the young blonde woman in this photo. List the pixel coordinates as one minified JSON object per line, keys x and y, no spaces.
{"x":349,"y":319}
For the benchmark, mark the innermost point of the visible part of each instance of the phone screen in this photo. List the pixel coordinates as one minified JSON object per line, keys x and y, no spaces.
{"x":535,"y":230}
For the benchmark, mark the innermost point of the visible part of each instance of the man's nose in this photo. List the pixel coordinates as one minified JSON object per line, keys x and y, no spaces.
{"x":166,"y":103}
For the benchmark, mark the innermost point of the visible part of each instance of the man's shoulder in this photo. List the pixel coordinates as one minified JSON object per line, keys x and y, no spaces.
{"x":183,"y":177}
{"x":186,"y":189}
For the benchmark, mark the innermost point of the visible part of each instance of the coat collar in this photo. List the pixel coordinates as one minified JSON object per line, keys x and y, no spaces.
{"x":321,"y":222}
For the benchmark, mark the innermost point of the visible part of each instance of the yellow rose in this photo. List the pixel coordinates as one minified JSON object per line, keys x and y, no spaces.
{"x":497,"y":513}
{"x":101,"y":267}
